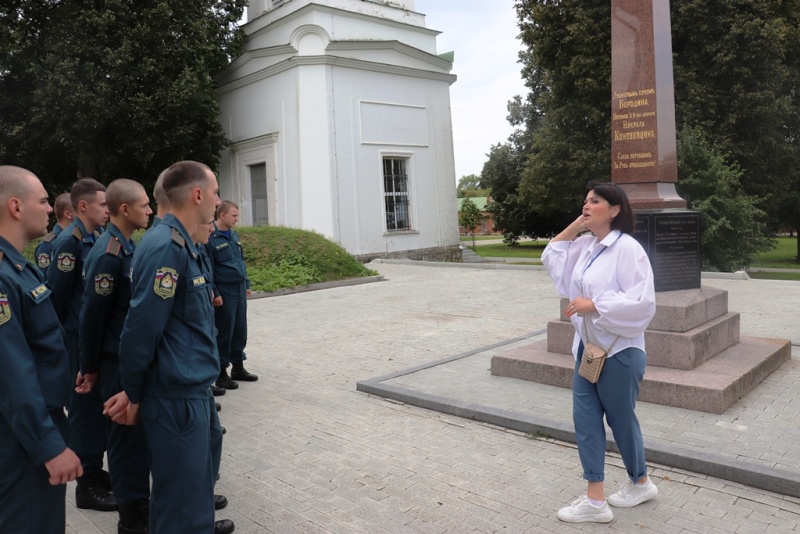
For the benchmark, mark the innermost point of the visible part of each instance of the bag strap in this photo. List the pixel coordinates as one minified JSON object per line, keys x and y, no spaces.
{"x":586,"y":333}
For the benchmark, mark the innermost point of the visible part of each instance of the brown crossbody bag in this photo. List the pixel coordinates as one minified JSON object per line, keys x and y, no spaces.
{"x":593,"y":358}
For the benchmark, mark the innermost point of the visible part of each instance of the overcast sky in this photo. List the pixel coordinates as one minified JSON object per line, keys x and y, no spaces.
{"x":483,"y":35}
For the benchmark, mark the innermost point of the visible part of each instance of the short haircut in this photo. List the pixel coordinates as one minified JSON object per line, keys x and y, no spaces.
{"x":122,"y":191}
{"x":181,"y":177}
{"x":226,"y":206}
{"x":13,"y":182}
{"x":158,"y":191}
{"x":63,"y":204}
{"x":85,"y":189}
{"x":625,"y":221}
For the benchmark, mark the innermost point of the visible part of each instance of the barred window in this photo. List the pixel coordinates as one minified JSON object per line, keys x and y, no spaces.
{"x":395,"y":192}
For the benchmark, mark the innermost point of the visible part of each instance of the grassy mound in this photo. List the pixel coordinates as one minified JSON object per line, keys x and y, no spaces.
{"x":279,"y":257}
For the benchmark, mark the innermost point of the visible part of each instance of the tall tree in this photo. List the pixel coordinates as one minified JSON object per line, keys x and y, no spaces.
{"x":110,"y":88}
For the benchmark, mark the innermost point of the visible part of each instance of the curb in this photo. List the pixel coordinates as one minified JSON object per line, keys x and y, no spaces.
{"x":315,"y":287}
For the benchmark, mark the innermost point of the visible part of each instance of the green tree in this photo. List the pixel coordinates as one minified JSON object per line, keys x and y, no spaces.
{"x":469,"y":217}
{"x":111,"y":88}
{"x":467,"y":184}
{"x":733,"y":228}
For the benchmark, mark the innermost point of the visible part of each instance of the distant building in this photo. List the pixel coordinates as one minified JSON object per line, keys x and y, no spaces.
{"x":339,"y":117}
{"x":487,"y":223}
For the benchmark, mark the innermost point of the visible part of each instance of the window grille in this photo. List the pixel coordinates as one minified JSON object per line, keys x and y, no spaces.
{"x":395,"y":192}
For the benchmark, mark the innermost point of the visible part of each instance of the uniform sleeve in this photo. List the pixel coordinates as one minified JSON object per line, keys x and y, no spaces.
{"x":628,"y":311}
{"x":210,"y":266}
{"x":559,"y":259}
{"x":61,"y":275}
{"x":21,"y":400}
{"x":96,"y":307}
{"x":151,"y":305}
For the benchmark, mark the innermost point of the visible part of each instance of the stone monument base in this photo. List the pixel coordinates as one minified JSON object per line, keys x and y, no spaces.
{"x":697,"y":360}
{"x":712,"y":387}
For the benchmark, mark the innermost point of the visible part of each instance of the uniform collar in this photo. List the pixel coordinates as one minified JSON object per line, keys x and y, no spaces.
{"x":87,"y":237}
{"x":127,"y":245}
{"x":57,"y":229}
{"x":12,"y":255}
{"x":173,"y":222}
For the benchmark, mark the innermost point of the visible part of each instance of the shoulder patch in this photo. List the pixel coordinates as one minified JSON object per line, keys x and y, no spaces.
{"x":114,"y":246}
{"x":178,"y":238}
{"x":49,"y":237}
{"x":66,"y":262}
{"x":43,"y":260}
{"x":76,"y":232}
{"x":5,"y":309}
{"x":166,"y":282}
{"x":103,"y":284}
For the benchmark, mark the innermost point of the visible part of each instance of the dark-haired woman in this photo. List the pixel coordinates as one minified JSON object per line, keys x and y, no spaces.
{"x":609,"y":282}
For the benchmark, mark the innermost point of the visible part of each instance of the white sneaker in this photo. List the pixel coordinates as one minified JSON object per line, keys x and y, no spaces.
{"x":632,"y":494}
{"x":582,"y":511}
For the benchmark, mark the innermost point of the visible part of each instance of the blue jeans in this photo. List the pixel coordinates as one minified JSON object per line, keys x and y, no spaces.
{"x":614,"y":396}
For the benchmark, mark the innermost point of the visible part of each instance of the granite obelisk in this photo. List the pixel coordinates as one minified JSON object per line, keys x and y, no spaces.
{"x":643,"y":142}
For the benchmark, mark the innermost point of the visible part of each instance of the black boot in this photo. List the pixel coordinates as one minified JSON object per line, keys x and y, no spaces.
{"x":224,"y":381}
{"x":224,"y":526}
{"x":240,"y":373}
{"x":134,"y":517}
{"x":91,"y":494}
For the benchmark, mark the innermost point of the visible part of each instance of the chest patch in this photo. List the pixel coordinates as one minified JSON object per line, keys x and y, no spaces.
{"x":166,"y":282}
{"x":66,"y":262}
{"x":198,"y":281}
{"x":5,"y":309}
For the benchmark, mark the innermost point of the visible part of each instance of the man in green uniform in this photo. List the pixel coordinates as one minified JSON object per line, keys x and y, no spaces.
{"x":86,"y":421}
{"x":44,"y":250}
{"x":168,"y":357}
{"x":35,"y":384}
{"x":106,"y":299}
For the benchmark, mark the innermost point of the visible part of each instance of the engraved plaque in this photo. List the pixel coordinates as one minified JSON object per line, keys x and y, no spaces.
{"x":671,"y":239}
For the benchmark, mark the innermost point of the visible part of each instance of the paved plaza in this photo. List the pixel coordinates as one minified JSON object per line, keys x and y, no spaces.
{"x":305,"y":451}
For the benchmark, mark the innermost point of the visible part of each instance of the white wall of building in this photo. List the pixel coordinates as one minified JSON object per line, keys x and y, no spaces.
{"x":321,"y":114}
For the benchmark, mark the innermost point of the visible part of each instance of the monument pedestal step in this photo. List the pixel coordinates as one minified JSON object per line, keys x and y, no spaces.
{"x":713,"y":386}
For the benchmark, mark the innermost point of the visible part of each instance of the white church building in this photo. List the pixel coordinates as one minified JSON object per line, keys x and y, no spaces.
{"x":339,"y":117}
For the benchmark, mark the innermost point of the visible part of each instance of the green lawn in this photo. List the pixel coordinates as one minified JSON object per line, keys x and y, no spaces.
{"x":783,"y":256}
{"x":525,"y":249}
{"x":761,"y":275}
{"x":468,"y":238}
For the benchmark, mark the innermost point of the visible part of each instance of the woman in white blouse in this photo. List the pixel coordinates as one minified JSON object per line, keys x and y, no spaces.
{"x":609,"y":282}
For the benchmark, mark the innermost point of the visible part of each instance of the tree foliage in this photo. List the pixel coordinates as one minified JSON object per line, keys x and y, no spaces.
{"x":733,"y":226}
{"x":110,"y":88}
{"x":469,"y":216}
{"x":737,"y":84}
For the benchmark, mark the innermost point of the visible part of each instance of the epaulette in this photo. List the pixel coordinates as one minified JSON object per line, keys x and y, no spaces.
{"x":114,"y":246}
{"x":77,"y":233}
{"x":49,"y":237}
{"x":178,"y":238}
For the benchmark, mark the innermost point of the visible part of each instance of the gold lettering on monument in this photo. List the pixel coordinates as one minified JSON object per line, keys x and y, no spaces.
{"x":632,"y":121}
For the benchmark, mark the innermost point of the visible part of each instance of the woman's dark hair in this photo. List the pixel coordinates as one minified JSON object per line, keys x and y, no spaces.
{"x":625,"y":221}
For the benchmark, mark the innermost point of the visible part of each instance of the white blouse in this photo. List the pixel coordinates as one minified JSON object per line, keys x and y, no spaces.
{"x":616,"y":275}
